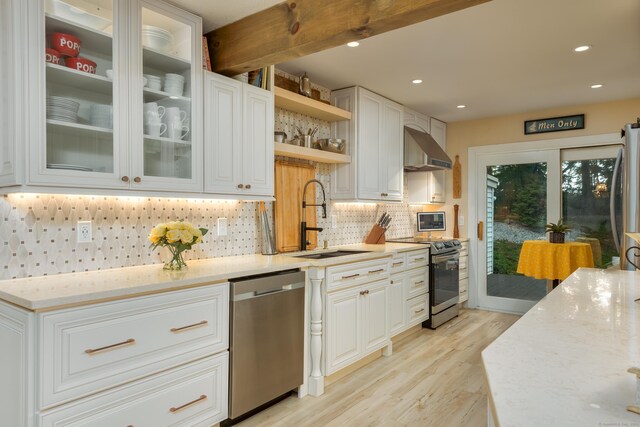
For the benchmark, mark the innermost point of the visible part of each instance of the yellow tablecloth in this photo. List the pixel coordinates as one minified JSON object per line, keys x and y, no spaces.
{"x":544,"y":260}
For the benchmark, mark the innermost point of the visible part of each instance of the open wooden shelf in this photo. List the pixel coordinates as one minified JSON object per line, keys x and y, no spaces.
{"x":307,"y":106}
{"x":312,"y":154}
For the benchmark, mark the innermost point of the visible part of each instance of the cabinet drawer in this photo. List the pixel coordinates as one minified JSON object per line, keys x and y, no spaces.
{"x":417,"y":259}
{"x":342,"y":276}
{"x":417,"y":309}
{"x":91,"y":348}
{"x":398,"y":263}
{"x":417,"y":282}
{"x":194,"y":394}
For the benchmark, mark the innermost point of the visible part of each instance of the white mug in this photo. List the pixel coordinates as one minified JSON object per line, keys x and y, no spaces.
{"x":156,"y":129}
{"x":176,"y":130}
{"x":172,"y":112}
{"x":152,"y":109}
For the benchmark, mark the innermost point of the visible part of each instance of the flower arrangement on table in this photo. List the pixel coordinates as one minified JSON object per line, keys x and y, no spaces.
{"x":177,"y":236}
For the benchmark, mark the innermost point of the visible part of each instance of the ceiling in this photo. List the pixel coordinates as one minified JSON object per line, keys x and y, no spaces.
{"x":501,"y":57}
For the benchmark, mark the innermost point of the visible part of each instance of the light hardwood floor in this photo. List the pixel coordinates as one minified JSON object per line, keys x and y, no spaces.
{"x":433,"y":378}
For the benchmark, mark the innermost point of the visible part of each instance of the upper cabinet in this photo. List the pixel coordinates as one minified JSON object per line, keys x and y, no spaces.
{"x":425,"y":187}
{"x":115,"y":99}
{"x":238,"y":133}
{"x":375,"y":141}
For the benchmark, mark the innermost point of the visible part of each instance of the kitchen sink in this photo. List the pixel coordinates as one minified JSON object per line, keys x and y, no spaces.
{"x":332,"y":254}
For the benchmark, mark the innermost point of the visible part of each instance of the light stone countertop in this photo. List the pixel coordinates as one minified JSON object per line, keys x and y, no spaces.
{"x":564,"y":363}
{"x":50,"y":292}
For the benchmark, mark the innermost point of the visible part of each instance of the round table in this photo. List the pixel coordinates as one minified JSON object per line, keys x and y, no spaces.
{"x":553,"y":261}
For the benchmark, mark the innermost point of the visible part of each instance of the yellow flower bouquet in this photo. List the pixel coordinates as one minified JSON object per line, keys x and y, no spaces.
{"x":177,"y":236}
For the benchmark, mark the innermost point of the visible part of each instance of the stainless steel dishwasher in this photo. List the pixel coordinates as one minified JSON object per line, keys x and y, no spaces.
{"x":266,"y":340}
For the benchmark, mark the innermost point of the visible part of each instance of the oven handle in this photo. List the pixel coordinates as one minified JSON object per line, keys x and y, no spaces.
{"x":447,"y":257}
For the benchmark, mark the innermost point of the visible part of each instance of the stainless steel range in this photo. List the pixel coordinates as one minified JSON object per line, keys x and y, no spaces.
{"x":444,"y":286}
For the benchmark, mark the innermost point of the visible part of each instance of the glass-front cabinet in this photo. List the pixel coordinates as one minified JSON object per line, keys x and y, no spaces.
{"x":114,"y":107}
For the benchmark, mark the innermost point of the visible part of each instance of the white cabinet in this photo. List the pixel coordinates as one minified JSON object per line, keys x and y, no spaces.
{"x":397,"y":300}
{"x":408,"y":302}
{"x":238,"y":137}
{"x":375,"y":140}
{"x":356,"y":324}
{"x":426,"y":187}
{"x":464,"y":271}
{"x":119,"y":361}
{"x":94,"y":130}
{"x":13,"y":89}
{"x":343,"y":328}
{"x":437,"y":178}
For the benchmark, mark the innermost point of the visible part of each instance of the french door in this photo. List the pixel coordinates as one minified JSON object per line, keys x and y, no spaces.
{"x":521,"y":193}
{"x":518,"y":193}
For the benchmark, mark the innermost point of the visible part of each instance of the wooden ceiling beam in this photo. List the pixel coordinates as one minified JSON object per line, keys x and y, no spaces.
{"x":297,"y":28}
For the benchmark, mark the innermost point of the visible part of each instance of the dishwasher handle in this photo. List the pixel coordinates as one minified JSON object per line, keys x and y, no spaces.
{"x":256,"y":294}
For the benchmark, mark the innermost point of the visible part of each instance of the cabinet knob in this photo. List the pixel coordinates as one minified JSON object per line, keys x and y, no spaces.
{"x":384,"y":194}
{"x":248,"y":186}
{"x":240,"y":186}
{"x":125,"y":178}
{"x":137,"y":179}
{"x":362,"y":292}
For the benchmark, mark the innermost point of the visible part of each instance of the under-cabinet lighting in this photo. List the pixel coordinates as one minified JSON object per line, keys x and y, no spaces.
{"x":174,"y":97}
{"x":353,"y":44}
{"x":582,"y":48}
{"x":138,"y":199}
{"x":461,"y":106}
{"x":596,"y":86}
{"x":416,"y":81}
{"x":363,"y":204}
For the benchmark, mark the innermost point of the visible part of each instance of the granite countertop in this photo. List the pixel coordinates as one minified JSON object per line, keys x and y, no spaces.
{"x":564,"y":363}
{"x":50,"y":292}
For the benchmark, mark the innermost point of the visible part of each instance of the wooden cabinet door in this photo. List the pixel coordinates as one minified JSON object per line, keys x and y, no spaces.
{"x":374,"y":316}
{"x":370,"y":137}
{"x":396,"y":305}
{"x":437,"y":178}
{"x":343,"y":329}
{"x":257,"y":153}
{"x":222,"y":134}
{"x":391,"y":154}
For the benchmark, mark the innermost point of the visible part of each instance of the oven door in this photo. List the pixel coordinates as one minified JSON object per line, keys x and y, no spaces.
{"x":445,"y":286}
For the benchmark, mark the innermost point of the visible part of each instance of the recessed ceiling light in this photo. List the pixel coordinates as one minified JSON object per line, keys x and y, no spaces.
{"x":353,"y":44}
{"x":461,"y":106}
{"x":416,"y":81}
{"x":582,"y":48}
{"x":596,"y":86}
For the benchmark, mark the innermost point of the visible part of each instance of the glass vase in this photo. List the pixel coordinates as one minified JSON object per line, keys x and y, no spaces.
{"x":176,"y":263}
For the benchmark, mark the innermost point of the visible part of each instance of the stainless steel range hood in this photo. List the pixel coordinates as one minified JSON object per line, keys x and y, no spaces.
{"x":422,"y":153}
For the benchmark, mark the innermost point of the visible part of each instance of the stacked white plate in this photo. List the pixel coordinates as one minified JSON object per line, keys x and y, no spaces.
{"x":174,"y":84}
{"x":101,"y":116}
{"x":156,"y":38}
{"x":63,"y":109}
{"x":153,"y":82}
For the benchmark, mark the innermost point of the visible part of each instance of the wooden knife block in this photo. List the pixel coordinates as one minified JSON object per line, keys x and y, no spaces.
{"x":376,"y":235}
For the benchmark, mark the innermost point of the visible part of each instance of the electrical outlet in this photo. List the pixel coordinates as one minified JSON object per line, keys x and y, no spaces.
{"x":460,"y":219}
{"x":223,"y":225}
{"x":334,"y":221}
{"x":84,"y":231}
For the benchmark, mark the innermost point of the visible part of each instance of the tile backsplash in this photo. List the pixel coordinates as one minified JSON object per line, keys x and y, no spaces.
{"x":38,"y":231}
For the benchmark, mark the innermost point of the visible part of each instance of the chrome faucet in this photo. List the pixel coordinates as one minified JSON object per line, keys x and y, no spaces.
{"x":303,"y":224}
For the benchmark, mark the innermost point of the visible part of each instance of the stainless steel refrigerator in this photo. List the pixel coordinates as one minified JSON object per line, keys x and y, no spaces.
{"x":626,"y":180}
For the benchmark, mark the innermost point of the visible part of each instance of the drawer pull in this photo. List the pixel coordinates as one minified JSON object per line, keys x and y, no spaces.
{"x":380,"y":270}
{"x":93,"y":351}
{"x":397,"y":264}
{"x":353,"y":276}
{"x":186,"y":405}
{"x":419,"y":311}
{"x":188,"y":327}
{"x":421,"y":282}
{"x":419,"y":259}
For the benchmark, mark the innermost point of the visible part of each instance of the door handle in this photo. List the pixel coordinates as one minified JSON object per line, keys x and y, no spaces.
{"x":480,"y":230}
